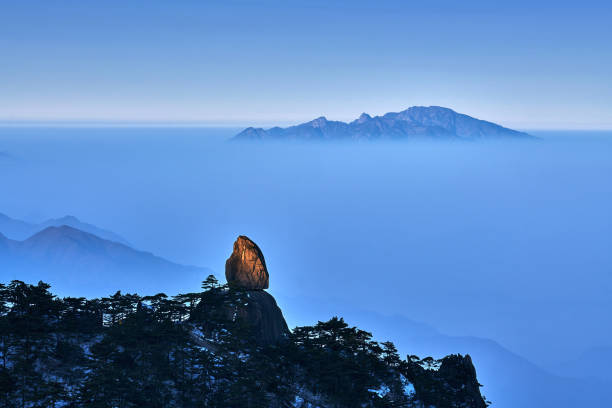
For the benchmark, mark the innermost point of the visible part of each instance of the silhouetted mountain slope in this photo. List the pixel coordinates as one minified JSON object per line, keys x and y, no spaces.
{"x":5,"y":244}
{"x":502,"y":371}
{"x":20,"y":230}
{"x":205,"y":350}
{"x":73,"y":259}
{"x":15,"y":229}
{"x":414,"y":122}
{"x":593,"y":363}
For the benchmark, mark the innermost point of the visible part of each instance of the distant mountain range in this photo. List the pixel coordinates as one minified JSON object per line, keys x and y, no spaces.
{"x":418,"y":122}
{"x":71,"y":260}
{"x":20,"y":230}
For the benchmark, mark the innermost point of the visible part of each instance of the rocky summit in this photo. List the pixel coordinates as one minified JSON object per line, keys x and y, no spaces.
{"x":246,"y":266}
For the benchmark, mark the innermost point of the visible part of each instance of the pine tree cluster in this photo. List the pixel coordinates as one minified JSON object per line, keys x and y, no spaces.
{"x":128,"y":351}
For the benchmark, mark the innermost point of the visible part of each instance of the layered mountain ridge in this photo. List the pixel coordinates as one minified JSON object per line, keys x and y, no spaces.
{"x":72,"y":259}
{"x":20,"y":230}
{"x":417,"y":122}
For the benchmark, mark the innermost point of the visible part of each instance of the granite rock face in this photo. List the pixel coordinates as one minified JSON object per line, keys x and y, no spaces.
{"x":246,"y":266}
{"x":264,"y":317}
{"x":453,"y":384}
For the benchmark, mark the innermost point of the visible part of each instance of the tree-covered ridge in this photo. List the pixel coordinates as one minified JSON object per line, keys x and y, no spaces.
{"x":192,"y":350}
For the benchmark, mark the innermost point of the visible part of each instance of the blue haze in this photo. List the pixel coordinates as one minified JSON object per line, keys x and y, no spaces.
{"x":508,"y":241}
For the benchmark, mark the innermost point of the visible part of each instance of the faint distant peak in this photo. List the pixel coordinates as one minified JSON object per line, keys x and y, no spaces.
{"x":54,"y":232}
{"x":74,"y":222}
{"x":364,"y":117}
{"x":319,"y":122}
{"x":20,"y":230}
{"x":67,"y":218}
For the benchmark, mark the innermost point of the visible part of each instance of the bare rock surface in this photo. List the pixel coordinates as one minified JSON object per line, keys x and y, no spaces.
{"x":265,"y":318}
{"x":246,"y":266}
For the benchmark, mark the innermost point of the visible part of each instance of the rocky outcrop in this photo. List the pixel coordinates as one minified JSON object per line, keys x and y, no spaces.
{"x":246,"y":266}
{"x":450,"y":382}
{"x":245,"y":299}
{"x":264,"y":317}
{"x":249,"y":314}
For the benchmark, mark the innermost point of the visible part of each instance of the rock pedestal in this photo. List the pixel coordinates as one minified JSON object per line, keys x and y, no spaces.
{"x":264,"y":316}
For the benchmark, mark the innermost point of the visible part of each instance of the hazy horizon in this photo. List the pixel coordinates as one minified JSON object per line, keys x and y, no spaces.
{"x":237,"y":125}
{"x":186,"y":178}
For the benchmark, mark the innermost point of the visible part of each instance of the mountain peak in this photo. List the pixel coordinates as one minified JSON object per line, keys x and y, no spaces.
{"x":58,"y":236}
{"x":55,"y":232}
{"x":67,"y":219}
{"x":364,"y":117}
{"x":21,"y":230}
{"x":319,"y":122}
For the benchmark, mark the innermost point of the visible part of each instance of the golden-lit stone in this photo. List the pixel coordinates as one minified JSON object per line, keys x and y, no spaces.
{"x":246,"y":266}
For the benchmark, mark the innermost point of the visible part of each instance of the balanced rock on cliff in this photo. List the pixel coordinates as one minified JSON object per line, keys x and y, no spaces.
{"x":246,"y":266}
{"x":246,"y":273}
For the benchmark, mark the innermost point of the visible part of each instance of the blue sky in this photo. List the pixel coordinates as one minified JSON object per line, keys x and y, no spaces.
{"x":524,"y":64}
